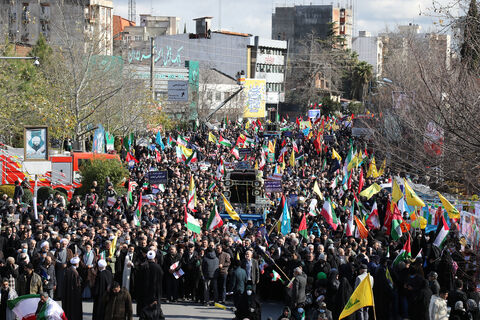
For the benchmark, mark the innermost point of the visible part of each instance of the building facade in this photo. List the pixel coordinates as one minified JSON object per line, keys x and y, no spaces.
{"x":23,"y":22}
{"x":293,"y":24}
{"x":370,"y":50}
{"x":267,"y":60}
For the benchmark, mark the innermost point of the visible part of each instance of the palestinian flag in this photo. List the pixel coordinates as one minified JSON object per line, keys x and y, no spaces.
{"x":137,"y":217}
{"x":329,"y":215}
{"x":442,"y":233}
{"x":276,"y":276}
{"x":225,"y":142}
{"x":214,"y":221}
{"x":25,"y":307}
{"x":373,"y":221}
{"x":192,"y":223}
{"x":405,"y":253}
{"x":170,"y":141}
{"x":192,"y":159}
{"x":182,"y":141}
{"x":302,"y":229}
{"x":396,"y":228}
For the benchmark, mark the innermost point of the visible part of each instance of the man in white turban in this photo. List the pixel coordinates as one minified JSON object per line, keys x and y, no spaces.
{"x":103,"y":281}
{"x":72,"y":291}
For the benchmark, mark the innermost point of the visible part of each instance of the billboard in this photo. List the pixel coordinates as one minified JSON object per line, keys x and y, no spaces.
{"x":177,"y":90}
{"x":255,"y":98}
{"x":36,"y":143}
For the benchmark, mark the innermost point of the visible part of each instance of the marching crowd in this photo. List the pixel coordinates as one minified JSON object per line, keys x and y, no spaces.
{"x":116,"y":252}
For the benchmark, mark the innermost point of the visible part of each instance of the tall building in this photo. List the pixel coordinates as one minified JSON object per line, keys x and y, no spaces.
{"x":267,"y":59}
{"x":370,"y":50}
{"x":293,"y":24}
{"x":23,"y":21}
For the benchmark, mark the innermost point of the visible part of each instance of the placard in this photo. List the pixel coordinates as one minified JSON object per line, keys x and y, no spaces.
{"x":158,"y":177}
{"x":35,"y":143}
{"x":244,"y":151}
{"x":273,"y":186}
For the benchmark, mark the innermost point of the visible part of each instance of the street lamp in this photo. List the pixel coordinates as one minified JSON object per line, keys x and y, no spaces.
{"x":36,"y":60}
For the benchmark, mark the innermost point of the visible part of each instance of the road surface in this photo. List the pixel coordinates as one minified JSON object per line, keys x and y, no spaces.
{"x":189,"y":311}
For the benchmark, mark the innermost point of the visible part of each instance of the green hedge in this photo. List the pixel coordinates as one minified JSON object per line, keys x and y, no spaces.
{"x":9,"y":189}
{"x":98,"y":170}
{"x":44,"y":192}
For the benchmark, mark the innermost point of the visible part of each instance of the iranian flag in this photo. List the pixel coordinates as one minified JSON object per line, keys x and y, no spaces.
{"x":182,"y":141}
{"x":373,"y":221}
{"x":137,"y":217}
{"x":302,"y":229}
{"x":214,"y":221}
{"x":276,"y":276}
{"x":235,"y":153}
{"x":25,"y":307}
{"x":192,"y":223}
{"x":220,"y":170}
{"x":349,"y":232}
{"x":225,"y":142}
{"x":442,"y":232}
{"x":405,"y":253}
{"x":329,"y":215}
{"x":192,"y":159}
{"x":262,"y":162}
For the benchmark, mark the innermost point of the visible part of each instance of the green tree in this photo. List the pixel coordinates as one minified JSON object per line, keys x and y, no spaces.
{"x":470,"y":50}
{"x":98,"y":170}
{"x":362,"y":75}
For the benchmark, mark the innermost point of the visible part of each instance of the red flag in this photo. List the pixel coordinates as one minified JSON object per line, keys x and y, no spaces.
{"x":373,"y":221}
{"x":284,"y":142}
{"x":186,"y":214}
{"x":131,"y":158}
{"x":387,"y":223}
{"x":350,"y":179}
{"x":302,"y":229}
{"x":318,"y":143}
{"x":158,"y":157}
{"x":360,"y":181}
{"x":297,"y":122}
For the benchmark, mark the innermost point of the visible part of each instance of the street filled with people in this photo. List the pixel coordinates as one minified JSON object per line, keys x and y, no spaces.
{"x":317,"y":221}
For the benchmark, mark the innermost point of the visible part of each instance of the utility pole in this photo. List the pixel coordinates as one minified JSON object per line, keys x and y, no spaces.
{"x":152,"y":65}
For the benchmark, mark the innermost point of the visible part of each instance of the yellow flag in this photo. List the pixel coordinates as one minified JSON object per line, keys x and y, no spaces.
{"x":354,"y":162}
{"x":382,"y":168}
{"x":316,"y":189}
{"x":271,"y":147}
{"x":397,"y":194}
{"x":292,"y":159}
{"x":247,"y":125}
{"x":371,"y":191}
{"x":372,"y":170}
{"x":335,"y":155}
{"x":256,"y":165}
{"x":411,"y":197}
{"x":282,"y":165}
{"x":212,"y":138}
{"x":187,"y":152}
{"x":452,"y":211}
{"x":228,"y":207}
{"x":361,"y":297}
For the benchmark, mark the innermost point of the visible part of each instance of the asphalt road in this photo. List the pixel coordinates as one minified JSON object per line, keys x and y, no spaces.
{"x":189,"y":311}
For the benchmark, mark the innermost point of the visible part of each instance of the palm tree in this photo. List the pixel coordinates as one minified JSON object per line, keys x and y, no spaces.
{"x":362,"y":74}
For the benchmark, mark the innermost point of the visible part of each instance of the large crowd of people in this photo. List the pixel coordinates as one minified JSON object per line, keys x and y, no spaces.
{"x":93,"y":248}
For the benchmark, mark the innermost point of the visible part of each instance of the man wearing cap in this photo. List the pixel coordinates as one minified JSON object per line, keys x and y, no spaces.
{"x":103,"y":281}
{"x":72,"y":291}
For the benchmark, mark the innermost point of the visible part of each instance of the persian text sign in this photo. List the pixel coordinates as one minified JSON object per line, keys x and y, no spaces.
{"x":255,"y":98}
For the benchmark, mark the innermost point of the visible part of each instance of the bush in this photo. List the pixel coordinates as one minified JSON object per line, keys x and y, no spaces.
{"x":44,"y":192}
{"x":9,"y":189}
{"x":98,"y":170}
{"x":27,"y":196}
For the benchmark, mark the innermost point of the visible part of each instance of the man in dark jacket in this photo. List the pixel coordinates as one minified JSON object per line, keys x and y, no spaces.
{"x":223,"y":265}
{"x":18,"y":192}
{"x":239,"y":282}
{"x":151,"y":289}
{"x":118,"y":304}
{"x":210,"y":270}
{"x":172,"y":283}
{"x":47,"y":272}
{"x":191,"y":266}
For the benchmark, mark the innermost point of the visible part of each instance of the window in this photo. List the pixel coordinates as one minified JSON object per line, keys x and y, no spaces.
{"x":218,"y":96}
{"x":209,"y":95}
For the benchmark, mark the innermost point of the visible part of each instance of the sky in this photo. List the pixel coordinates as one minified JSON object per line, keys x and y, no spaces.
{"x":255,"y":16}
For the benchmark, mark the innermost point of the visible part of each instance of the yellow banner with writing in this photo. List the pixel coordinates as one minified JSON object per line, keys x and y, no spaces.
{"x":255,"y":98}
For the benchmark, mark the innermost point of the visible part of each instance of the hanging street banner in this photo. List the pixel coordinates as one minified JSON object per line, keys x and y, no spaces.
{"x":255,"y":98}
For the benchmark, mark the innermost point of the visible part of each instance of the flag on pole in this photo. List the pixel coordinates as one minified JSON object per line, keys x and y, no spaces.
{"x":192,"y":195}
{"x":329,"y":215}
{"x":235,"y":153}
{"x":373,"y":221}
{"x":137,"y":217}
{"x":362,"y":231}
{"x":361,"y":181}
{"x":220,"y":170}
{"x":225,"y":142}
{"x":361,"y":297}
{"x":302,"y":229}
{"x":212,"y":186}
{"x":191,"y":223}
{"x":214,"y":221}
{"x":451,"y":210}
{"x":212,"y":138}
{"x":292,"y":159}
{"x":317,"y":191}
{"x":182,"y":141}
{"x":397,"y":193}
{"x":372,"y":169}
{"x":228,"y":207}
{"x":350,"y":223}
{"x":442,"y":233}
{"x":335,"y":155}
{"x":396,"y":226}
{"x":411,"y":197}
{"x":276,"y":276}
{"x":286,"y":227}
{"x":159,"y":140}
{"x":405,"y":253}
{"x":371,"y":191}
